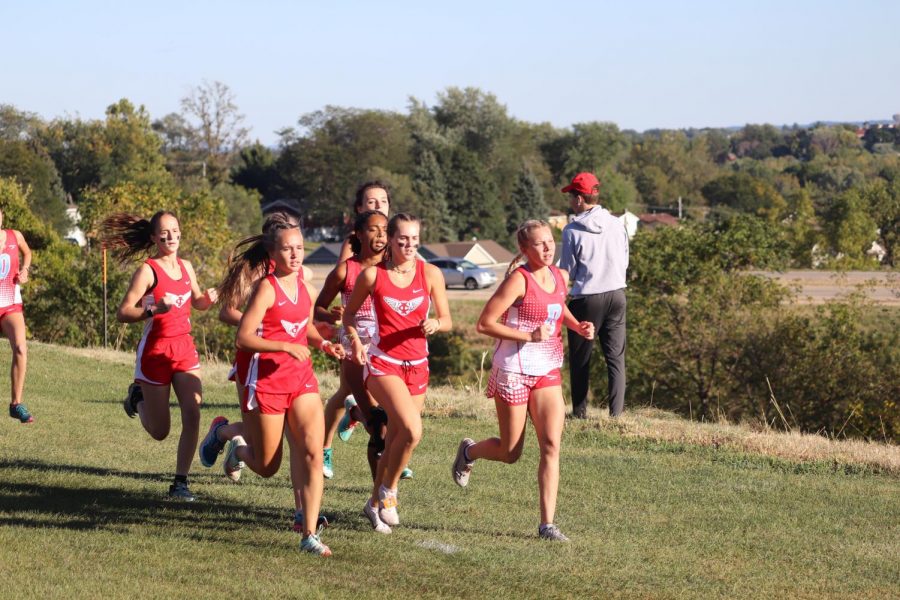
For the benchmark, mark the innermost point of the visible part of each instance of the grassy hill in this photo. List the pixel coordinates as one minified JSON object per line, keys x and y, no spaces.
{"x":655,"y":506}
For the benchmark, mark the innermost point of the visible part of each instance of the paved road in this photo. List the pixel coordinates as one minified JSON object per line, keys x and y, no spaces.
{"x":814,"y":287}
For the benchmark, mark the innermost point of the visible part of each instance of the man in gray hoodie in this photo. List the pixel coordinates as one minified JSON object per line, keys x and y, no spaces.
{"x":595,"y":253}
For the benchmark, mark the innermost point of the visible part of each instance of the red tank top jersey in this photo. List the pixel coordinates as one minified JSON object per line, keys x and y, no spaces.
{"x":177,"y":294}
{"x":399,"y":312}
{"x":285,"y":321}
{"x":9,"y":271}
{"x":536,"y":308}
{"x":365,"y":316}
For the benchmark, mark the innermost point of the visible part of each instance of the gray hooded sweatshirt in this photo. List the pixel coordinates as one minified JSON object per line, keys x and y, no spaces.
{"x":595,"y":252}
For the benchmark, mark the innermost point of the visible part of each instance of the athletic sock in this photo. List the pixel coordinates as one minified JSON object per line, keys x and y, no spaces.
{"x":466,"y":454}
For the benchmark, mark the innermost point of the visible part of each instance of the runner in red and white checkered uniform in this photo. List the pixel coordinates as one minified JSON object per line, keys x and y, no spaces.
{"x":162,"y":292}
{"x":526,"y":315}
{"x":369,"y":241}
{"x":281,"y":392}
{"x":402,"y":288}
{"x":12,"y":318}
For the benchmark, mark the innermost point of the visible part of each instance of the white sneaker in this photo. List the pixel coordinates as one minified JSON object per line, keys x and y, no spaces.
{"x":232,"y":465}
{"x":377,"y":524}
{"x":387,"y":506}
{"x":551,"y":532}
{"x":461,"y":467}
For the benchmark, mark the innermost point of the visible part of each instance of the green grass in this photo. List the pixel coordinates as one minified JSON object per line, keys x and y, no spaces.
{"x":83,"y":514}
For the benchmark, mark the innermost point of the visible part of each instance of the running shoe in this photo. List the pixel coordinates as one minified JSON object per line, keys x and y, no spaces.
{"x":135,"y":394}
{"x":180,"y":491}
{"x":371,"y":513}
{"x":18,"y":411}
{"x":387,"y":506}
{"x":314,"y":545}
{"x":233,"y":465}
{"x":211,"y":447}
{"x":321,"y":523}
{"x":347,"y":423}
{"x":462,"y":468}
{"x":406,"y":473}
{"x":327,"y":470}
{"x":551,"y":532}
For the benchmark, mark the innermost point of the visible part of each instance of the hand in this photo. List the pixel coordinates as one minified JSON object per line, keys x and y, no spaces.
{"x":213,"y":295}
{"x":337,"y":312}
{"x":586,"y":329}
{"x":22,"y":277}
{"x":161,"y":307}
{"x":298,"y":351}
{"x":335,"y":350}
{"x":429,"y":326}
{"x":358,"y":351}
{"x":541,"y":333}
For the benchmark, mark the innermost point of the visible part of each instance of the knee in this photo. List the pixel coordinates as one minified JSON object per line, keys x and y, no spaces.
{"x":511,"y":455}
{"x":158,"y":433}
{"x":267,"y":470}
{"x":20,"y":352}
{"x":410,"y":435}
{"x":550,"y":449}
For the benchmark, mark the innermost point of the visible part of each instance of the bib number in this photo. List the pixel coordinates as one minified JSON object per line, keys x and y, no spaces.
{"x":5,"y":264}
{"x":554,"y":312}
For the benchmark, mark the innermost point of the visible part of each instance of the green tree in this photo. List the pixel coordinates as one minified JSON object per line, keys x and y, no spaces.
{"x":743,"y":192}
{"x":528,"y":201}
{"x":850,"y":228}
{"x":26,"y":161}
{"x":431,"y":188}
{"x":472,"y":198}
{"x":256,"y":170}
{"x":215,"y":129}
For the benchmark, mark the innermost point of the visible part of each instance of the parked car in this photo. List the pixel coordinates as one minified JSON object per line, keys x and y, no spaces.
{"x":458,"y":271}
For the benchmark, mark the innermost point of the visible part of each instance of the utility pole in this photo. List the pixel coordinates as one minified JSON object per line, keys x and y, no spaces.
{"x":679,"y":207}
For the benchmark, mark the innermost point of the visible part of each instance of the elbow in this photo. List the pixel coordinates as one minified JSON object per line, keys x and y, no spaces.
{"x":120,"y":317}
{"x":481,"y":328}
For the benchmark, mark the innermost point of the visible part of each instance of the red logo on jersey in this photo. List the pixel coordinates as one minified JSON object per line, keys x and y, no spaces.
{"x":404,"y":307}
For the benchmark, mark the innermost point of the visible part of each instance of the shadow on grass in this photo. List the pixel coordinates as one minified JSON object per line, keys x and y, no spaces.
{"x":173,"y":404}
{"x":36,"y":465}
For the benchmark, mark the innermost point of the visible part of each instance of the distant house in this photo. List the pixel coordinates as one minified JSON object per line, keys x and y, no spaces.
{"x":630,"y":220}
{"x":654,"y":220}
{"x":326,"y":254}
{"x":480,"y":252}
{"x":74,"y":234}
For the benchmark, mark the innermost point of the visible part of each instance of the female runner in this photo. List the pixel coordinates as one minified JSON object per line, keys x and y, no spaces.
{"x":162,"y":292}
{"x":281,"y":388}
{"x":220,"y":430}
{"x":397,"y":359}
{"x":525,"y":314}
{"x":12,"y":319}
{"x":369,"y":240}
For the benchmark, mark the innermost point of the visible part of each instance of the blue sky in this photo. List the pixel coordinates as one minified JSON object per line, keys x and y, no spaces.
{"x":640,"y":64}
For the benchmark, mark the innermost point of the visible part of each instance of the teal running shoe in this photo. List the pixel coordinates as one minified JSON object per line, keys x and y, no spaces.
{"x":347,"y":424}
{"x":18,"y":411}
{"x":406,"y":473}
{"x":314,"y":545}
{"x":327,"y":469}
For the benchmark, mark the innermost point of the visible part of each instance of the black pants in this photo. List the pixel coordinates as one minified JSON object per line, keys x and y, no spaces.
{"x":607,"y":312}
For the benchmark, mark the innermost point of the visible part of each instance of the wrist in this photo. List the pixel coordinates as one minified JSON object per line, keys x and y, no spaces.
{"x":324,"y":344}
{"x":148,"y":312}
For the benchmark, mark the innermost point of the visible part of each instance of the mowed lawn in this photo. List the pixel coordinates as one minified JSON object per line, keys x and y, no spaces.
{"x":83,"y":514}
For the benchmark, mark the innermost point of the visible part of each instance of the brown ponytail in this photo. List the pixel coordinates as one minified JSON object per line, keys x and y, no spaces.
{"x":128,"y":236}
{"x":249,"y":261}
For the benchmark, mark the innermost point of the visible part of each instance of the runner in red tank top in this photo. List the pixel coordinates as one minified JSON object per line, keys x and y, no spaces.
{"x":12,"y":319}
{"x":369,"y":241}
{"x":281,"y":389}
{"x":525,"y":315}
{"x":230,"y":313}
{"x":162,"y":292}
{"x":402,"y":289}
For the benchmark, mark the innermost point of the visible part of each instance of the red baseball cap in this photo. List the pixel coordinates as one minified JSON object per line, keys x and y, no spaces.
{"x":583,"y":183}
